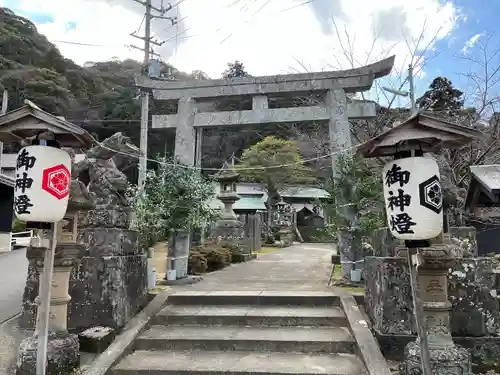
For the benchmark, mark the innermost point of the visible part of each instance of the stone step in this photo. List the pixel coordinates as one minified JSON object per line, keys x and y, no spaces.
{"x":246,"y":315}
{"x":277,"y":339}
{"x":237,"y":363}
{"x":260,"y":298}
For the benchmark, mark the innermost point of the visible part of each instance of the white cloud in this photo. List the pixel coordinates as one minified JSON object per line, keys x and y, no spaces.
{"x":470,"y":43}
{"x":269,"y":37}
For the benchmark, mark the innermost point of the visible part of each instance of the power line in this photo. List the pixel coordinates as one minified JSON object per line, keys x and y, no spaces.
{"x":142,"y":22}
{"x":298,"y":5}
{"x":262,"y":7}
{"x":352,"y":148}
{"x":253,"y":17}
{"x":88,"y":44}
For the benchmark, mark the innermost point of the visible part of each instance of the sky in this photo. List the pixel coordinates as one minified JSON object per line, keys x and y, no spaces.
{"x":278,"y":36}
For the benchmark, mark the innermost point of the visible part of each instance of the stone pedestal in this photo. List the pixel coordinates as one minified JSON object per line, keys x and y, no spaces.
{"x":63,"y":353}
{"x":432,"y":277}
{"x":229,"y":231}
{"x":178,"y":253}
{"x":286,"y":235}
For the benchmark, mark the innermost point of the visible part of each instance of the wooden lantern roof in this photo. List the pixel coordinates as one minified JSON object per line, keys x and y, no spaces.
{"x":421,"y":131}
{"x":29,"y":121}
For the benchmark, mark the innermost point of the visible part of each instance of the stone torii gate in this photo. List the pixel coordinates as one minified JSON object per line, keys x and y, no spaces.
{"x":194,"y":97}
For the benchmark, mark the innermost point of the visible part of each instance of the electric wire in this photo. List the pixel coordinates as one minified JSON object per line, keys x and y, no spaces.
{"x":337,"y":152}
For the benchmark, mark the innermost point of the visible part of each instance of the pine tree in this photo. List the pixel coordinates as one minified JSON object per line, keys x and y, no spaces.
{"x":235,"y":69}
{"x":442,"y":97}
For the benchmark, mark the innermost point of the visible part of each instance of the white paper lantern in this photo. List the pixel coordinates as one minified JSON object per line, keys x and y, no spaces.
{"x":43,"y":178}
{"x":413,"y":198}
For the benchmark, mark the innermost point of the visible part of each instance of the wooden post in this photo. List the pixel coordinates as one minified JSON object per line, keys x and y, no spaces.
{"x":44,"y":307}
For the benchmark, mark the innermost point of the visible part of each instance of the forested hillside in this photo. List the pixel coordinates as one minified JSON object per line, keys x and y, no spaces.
{"x":103,"y":99}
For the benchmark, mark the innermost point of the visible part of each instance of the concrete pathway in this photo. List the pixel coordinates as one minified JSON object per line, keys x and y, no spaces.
{"x":301,"y":267}
{"x":13,"y":271}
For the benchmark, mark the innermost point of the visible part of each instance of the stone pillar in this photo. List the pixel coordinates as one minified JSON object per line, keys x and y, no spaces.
{"x":339,"y":131}
{"x":185,"y":152}
{"x":432,"y":276}
{"x":185,"y":142}
{"x":383,"y":243}
{"x":178,"y":253}
{"x":63,"y":353}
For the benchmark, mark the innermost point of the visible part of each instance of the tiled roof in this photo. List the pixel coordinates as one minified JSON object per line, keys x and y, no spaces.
{"x":253,"y":195}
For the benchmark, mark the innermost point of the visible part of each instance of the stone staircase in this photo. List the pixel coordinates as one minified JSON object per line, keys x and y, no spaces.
{"x":202,"y":333}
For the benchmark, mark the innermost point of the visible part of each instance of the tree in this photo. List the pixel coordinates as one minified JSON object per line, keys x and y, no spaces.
{"x":199,"y":75}
{"x":235,"y":69}
{"x":442,"y":97}
{"x":348,"y":55}
{"x":175,"y":198}
{"x":360,"y":188}
{"x":482,"y":92}
{"x":275,"y":163}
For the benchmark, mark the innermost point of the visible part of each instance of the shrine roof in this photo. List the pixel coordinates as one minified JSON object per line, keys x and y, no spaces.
{"x":304,"y":192}
{"x":250,"y":203}
{"x":484,"y":186}
{"x":254,"y":195}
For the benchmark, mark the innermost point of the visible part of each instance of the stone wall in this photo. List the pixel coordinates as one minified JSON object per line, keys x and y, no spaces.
{"x":388,"y":300}
{"x":389,"y":303}
{"x":107,"y":287}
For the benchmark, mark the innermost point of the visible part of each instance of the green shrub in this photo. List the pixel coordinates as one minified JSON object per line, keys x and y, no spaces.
{"x":238,"y":258}
{"x":217,"y":257}
{"x":197,"y":263}
{"x":235,"y":251}
{"x":227,"y":252}
{"x":18,"y":226}
{"x":269,"y":240}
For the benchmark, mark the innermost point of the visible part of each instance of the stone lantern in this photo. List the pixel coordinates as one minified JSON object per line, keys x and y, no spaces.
{"x":228,"y":229}
{"x":283,"y":223}
{"x":415,"y":215}
{"x":227,"y":178}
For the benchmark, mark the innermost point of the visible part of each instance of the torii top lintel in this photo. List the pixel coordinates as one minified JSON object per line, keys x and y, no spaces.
{"x":352,"y":80}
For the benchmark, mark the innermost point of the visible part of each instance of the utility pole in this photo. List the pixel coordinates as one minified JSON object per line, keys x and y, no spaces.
{"x":412,"y":89}
{"x":148,"y":41}
{"x":5,"y":102}
{"x":410,"y":93}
